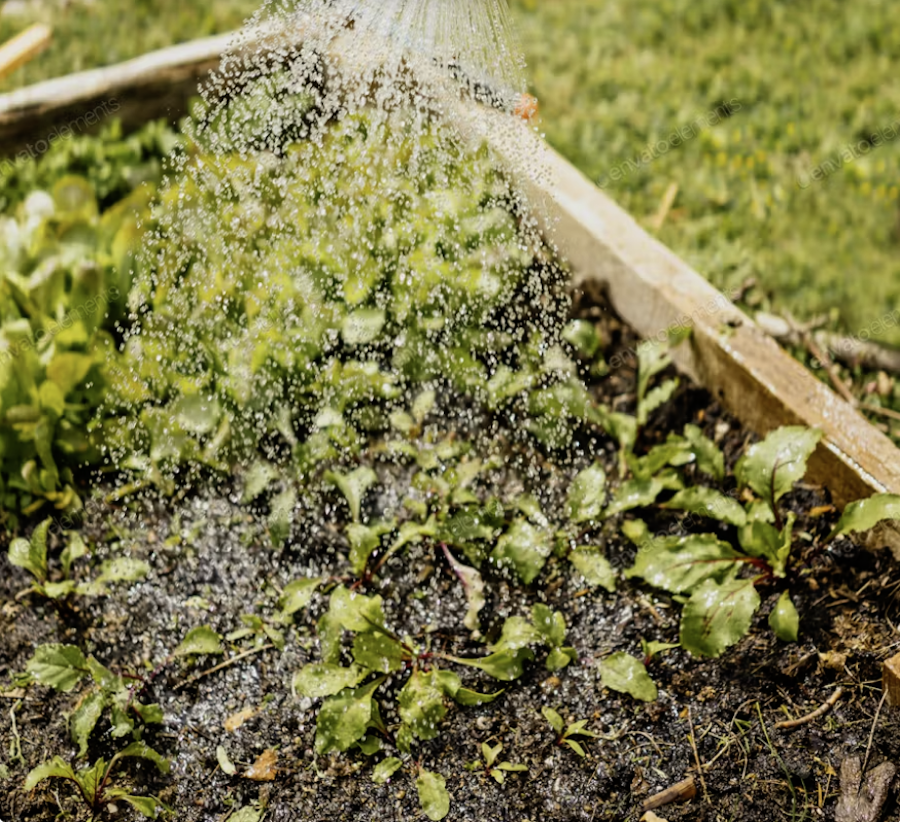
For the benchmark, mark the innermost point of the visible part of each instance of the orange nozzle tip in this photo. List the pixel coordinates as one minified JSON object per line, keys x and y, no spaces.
{"x":527,"y":107}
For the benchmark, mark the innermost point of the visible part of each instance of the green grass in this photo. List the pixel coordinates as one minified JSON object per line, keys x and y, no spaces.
{"x":615,"y":76}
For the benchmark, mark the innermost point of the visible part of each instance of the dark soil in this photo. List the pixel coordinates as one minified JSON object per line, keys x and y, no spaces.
{"x":212,"y":562}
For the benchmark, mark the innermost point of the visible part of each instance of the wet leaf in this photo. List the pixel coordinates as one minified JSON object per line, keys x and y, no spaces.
{"x":707,"y":502}
{"x":142,"y":750}
{"x":555,"y":720}
{"x":84,"y":719}
{"x":594,"y":567}
{"x":771,"y":467}
{"x":145,"y":805}
{"x":421,"y":704}
{"x":281,"y":516}
{"x":377,"y":652}
{"x":587,"y":494}
{"x":363,"y":326}
{"x":320,"y":679}
{"x":525,"y":548}
{"x":364,"y":539}
{"x":624,"y":673}
{"x":200,"y":640}
{"x":356,"y":612}
{"x":433,"y":796}
{"x":784,"y":619}
{"x":385,"y":769}
{"x":353,"y":486}
{"x":297,"y":595}
{"x":344,"y":718}
{"x":59,"y":666}
{"x":32,"y":554}
{"x":681,"y":564}
{"x":503,"y":665}
{"x":265,"y":768}
{"x":635,"y":493}
{"x":55,"y":768}
{"x":863,"y":515}
{"x":517,"y":632}
{"x":655,"y":398}
{"x":717,"y":615}
{"x":709,"y":458}
{"x":558,"y":658}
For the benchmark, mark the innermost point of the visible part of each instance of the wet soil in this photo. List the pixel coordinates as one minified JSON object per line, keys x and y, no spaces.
{"x":211,"y":561}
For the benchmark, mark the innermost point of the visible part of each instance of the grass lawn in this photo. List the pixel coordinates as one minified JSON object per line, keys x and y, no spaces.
{"x":616,"y":78}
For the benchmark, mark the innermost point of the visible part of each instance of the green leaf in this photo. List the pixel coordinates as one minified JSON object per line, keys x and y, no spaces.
{"x":623,"y":673}
{"x":385,"y":769}
{"x":651,"y":649}
{"x":771,"y":467}
{"x":281,"y":516}
{"x":146,"y":805}
{"x":863,"y":515}
{"x":423,"y":405}
{"x":369,"y":744}
{"x":356,"y":612}
{"x":575,"y":746}
{"x":717,"y":615}
{"x":473,"y":585}
{"x":710,"y":459}
{"x":653,"y":357}
{"x":363,"y":326}
{"x":421,"y":704}
{"x":583,"y":335}
{"x":344,"y":719}
{"x":377,"y":652}
{"x":784,"y":619}
{"x":517,"y":632}
{"x":433,"y":796}
{"x":84,"y":719}
{"x":558,"y":658}
{"x":635,"y":493}
{"x":32,"y":554}
{"x":59,"y":666}
{"x":123,"y":569}
{"x":297,"y":595}
{"x":469,"y":698}
{"x":524,"y":547}
{"x":247,"y":814}
{"x":594,"y":567}
{"x":259,"y":476}
{"x":56,"y":768}
{"x":555,"y":720}
{"x":142,"y":750}
{"x":490,"y":754}
{"x":510,"y":768}
{"x":550,"y":625}
{"x":655,"y":398}
{"x":707,"y":502}
{"x":150,"y":714}
{"x":587,"y":494}
{"x":200,"y":640}
{"x":353,"y":486}
{"x":504,"y":665}
{"x":364,"y":539}
{"x":326,"y":679}
{"x":680,"y":564}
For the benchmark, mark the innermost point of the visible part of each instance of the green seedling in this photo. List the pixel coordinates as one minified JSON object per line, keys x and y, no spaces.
{"x":31,"y":555}
{"x":94,"y":784}
{"x":565,"y":734}
{"x":496,"y":770}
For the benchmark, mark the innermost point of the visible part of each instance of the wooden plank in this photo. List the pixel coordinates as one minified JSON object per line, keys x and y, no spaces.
{"x":23,"y":47}
{"x":649,"y":285}
{"x":654,"y":290}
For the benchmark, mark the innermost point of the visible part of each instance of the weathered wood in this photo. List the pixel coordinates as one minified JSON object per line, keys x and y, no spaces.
{"x":23,"y":47}
{"x":649,"y":285}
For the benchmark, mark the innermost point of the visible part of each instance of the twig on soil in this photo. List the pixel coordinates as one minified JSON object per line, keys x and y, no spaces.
{"x":223,"y":665}
{"x":697,"y":756}
{"x":872,"y":732}
{"x":679,"y":792}
{"x":823,"y":709}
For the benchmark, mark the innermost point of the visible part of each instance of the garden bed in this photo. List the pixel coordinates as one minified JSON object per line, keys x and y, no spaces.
{"x":495,"y":526}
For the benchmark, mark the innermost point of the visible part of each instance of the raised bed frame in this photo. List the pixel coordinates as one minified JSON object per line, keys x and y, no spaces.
{"x":651,"y":288}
